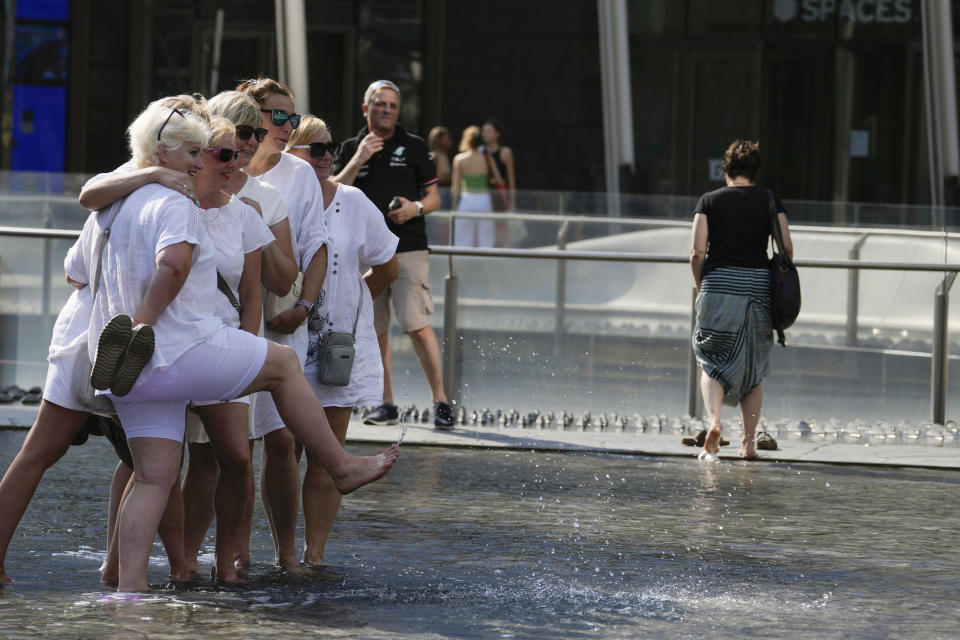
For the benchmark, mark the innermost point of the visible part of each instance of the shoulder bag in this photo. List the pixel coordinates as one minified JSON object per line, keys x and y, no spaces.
{"x":784,"y":280}
{"x":337,"y":351}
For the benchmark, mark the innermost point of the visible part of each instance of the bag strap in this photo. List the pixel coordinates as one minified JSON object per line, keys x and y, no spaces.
{"x":359,"y":307}
{"x":225,"y":290}
{"x":102,"y":243}
{"x":775,"y":232}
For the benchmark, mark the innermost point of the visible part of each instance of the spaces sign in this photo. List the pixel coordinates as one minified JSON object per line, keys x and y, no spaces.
{"x":859,"y":11}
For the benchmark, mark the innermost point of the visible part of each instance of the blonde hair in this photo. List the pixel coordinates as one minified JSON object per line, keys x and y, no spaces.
{"x":470,"y":138}
{"x":310,"y":126}
{"x":237,"y":107}
{"x":171,"y":121}
{"x":220,"y":128}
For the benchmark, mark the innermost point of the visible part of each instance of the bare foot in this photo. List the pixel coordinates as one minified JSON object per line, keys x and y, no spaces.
{"x":232,"y":576}
{"x":182,"y":574}
{"x":712,"y":442}
{"x":297,"y":570}
{"x":747,"y":450}
{"x":242,"y":564}
{"x":110,"y":577}
{"x":314,"y":561}
{"x":4,"y":578}
{"x":364,"y":470}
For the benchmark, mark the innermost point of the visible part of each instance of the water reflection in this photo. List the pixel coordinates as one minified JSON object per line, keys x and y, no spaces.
{"x":459,"y":543}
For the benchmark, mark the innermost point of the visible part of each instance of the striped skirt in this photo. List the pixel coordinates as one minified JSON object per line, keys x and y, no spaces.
{"x":734,"y":333}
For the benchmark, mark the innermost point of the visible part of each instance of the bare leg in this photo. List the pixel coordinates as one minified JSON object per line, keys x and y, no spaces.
{"x":280,"y":492}
{"x":110,"y":571}
{"x":242,"y":559}
{"x":303,"y":415}
{"x":48,"y":440}
{"x":321,"y":500}
{"x":428,"y":353}
{"x":155,"y":461}
{"x":385,"y":356}
{"x":199,"y":487}
{"x":712,"y":392}
{"x":750,"y":413}
{"x":170,"y":531}
{"x":226,"y":424}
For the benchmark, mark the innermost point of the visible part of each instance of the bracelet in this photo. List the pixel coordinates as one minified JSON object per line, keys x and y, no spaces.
{"x":305,"y":304}
{"x":419,"y":208}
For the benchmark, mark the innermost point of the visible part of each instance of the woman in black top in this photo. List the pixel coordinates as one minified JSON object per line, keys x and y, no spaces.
{"x":728,"y":256}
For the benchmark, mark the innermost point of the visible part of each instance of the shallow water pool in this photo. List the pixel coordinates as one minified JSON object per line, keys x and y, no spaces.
{"x":480,"y":544}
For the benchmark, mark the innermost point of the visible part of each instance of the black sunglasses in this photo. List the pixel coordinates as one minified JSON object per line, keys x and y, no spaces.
{"x":173,"y":111}
{"x":245,"y":131}
{"x":224,"y":154}
{"x":319,"y":149}
{"x":279,"y":117}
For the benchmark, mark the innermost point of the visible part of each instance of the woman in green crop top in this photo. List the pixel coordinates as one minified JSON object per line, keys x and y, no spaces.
{"x":470,"y":191}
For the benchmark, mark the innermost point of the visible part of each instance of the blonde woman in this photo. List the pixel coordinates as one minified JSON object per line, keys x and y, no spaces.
{"x":470,"y":191}
{"x":360,"y":236}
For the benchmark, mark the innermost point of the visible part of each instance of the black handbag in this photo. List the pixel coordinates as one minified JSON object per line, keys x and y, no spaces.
{"x":784,"y":280}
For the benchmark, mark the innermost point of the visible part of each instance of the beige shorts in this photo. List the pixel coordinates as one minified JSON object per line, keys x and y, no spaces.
{"x":410,"y":294}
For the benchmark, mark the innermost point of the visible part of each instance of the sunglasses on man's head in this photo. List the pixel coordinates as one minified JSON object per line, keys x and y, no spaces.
{"x":319,"y":149}
{"x":224,"y":154}
{"x":279,"y":117}
{"x":245,"y":131}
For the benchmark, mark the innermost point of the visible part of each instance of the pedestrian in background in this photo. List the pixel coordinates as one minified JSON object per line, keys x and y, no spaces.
{"x":393,"y":169}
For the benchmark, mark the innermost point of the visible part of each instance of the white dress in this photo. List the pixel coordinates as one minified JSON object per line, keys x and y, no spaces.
{"x":299,"y":188}
{"x":235,"y":230}
{"x":359,"y":237}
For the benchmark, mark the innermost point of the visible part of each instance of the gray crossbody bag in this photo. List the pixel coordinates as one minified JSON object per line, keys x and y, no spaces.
{"x":337,"y":351}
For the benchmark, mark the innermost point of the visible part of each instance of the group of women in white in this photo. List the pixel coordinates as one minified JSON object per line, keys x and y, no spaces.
{"x":224,"y":224}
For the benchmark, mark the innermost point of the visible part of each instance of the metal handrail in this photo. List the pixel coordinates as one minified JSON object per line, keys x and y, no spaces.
{"x":938,"y":375}
{"x":622,"y":256}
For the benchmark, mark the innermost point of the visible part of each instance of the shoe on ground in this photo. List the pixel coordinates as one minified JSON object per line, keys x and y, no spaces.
{"x":443,"y":417}
{"x":385,"y":414}
{"x":110,"y":349}
{"x":135,"y":358}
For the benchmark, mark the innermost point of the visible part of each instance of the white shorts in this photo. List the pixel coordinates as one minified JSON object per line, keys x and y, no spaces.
{"x":58,"y":388}
{"x":475,"y":232}
{"x":218,"y":369}
{"x":266,"y":418}
{"x":197,"y":433}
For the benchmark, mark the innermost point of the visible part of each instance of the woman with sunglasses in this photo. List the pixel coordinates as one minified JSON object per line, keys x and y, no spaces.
{"x":359,"y":235}
{"x":159,"y":268}
{"x":61,"y":416}
{"x":279,"y":265}
{"x":239,"y":234}
{"x":301,"y":193}
{"x":277,"y":274}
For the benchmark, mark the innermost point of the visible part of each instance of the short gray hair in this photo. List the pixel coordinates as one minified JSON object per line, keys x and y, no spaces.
{"x":375,"y":86}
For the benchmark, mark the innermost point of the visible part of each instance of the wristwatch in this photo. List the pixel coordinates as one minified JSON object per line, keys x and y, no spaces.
{"x":419,"y":208}
{"x":306,"y":304}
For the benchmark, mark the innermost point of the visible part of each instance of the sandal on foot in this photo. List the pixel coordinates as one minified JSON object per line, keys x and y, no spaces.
{"x":135,"y":358}
{"x":766,"y":441}
{"x":110,"y":349}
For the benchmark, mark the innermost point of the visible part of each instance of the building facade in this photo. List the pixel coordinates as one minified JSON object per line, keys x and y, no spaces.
{"x":833,"y":89}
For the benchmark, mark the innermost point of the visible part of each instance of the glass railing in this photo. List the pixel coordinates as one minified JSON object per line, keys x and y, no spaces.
{"x":600,"y":336}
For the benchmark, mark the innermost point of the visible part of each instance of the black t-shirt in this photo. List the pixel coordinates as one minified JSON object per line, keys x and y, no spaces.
{"x":738,"y":227}
{"x":402,"y":168}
